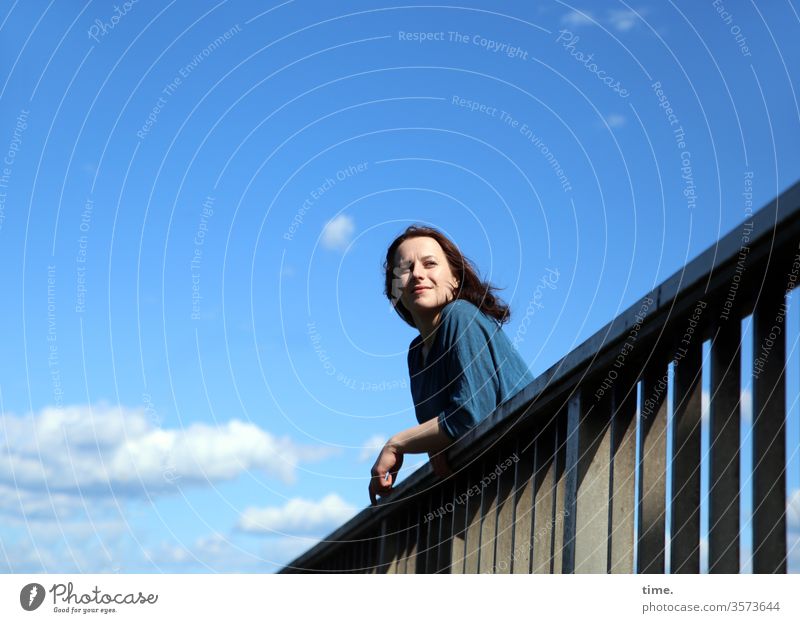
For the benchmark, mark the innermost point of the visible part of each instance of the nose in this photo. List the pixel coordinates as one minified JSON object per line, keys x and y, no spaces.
{"x":418,"y":274}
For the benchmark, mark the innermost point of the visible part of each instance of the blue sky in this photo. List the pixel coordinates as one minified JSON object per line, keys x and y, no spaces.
{"x":197,"y":198}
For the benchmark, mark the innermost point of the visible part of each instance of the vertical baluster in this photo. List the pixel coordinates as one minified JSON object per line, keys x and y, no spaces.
{"x":623,"y":470}
{"x":434,"y":520}
{"x":571,"y":480}
{"x":366,"y":561}
{"x":489,"y":488}
{"x":364,"y":546}
{"x":524,"y":493}
{"x":395,"y":543}
{"x":372,"y":552}
{"x":413,"y":536}
{"x":505,"y":514}
{"x":769,"y":427}
{"x":724,"y":423}
{"x":544,"y":492}
{"x":459,"y":523}
{"x":358,"y":556}
{"x":387,"y":551}
{"x":348,"y":557}
{"x":652,"y":465}
{"x":473,"y":539}
{"x":445,"y":546}
{"x":588,"y":464}
{"x":423,"y":528}
{"x":375,"y":553}
{"x":685,"y":520}
{"x":560,"y":492}
{"x":403,"y":532}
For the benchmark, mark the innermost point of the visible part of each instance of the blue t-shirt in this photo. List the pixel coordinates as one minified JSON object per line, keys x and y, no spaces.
{"x":471,"y":368}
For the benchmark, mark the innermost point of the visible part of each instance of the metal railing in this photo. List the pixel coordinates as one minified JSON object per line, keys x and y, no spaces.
{"x":570,"y":475}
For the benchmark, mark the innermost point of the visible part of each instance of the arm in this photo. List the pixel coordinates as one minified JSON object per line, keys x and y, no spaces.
{"x":427,"y":437}
{"x":463,"y":407}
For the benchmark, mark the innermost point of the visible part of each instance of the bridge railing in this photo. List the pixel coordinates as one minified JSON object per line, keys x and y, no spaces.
{"x":570,"y":475}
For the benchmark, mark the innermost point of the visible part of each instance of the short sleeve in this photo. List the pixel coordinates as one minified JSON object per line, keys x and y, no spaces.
{"x":472,"y":372}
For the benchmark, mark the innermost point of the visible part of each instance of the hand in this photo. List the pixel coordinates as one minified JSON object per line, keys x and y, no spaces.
{"x":440,"y":465}
{"x":384,"y":472}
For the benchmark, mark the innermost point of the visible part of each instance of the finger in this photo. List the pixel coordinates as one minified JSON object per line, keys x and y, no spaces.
{"x":377,"y":488}
{"x":382,"y":485}
{"x":378,"y":492}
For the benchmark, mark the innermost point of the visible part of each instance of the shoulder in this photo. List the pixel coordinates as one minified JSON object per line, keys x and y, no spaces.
{"x":461,"y":316}
{"x":458,"y":309}
{"x":461,"y":312}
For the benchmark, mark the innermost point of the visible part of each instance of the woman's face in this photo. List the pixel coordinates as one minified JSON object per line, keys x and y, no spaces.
{"x":423,"y":278}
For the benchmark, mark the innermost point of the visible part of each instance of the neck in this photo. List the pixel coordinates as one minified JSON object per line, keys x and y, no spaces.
{"x":427,"y":326}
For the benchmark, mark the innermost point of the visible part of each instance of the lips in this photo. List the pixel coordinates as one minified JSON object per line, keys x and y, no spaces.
{"x":420,"y":289}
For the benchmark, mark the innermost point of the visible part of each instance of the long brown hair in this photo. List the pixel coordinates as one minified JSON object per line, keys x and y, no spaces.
{"x":470,"y":286}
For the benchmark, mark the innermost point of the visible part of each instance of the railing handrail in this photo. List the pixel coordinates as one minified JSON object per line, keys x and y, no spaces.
{"x":672,"y":297}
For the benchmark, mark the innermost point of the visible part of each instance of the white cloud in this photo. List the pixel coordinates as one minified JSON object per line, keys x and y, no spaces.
{"x":616,"y":121}
{"x":793,"y":559}
{"x":793,"y":511}
{"x":623,"y":19}
{"x":214,"y":552}
{"x":110,"y":451}
{"x":575,"y":19}
{"x":745,"y":406}
{"x":793,"y":530}
{"x":103,"y":551}
{"x":298,"y":516}
{"x":221,"y":554}
{"x":703,"y":555}
{"x":72,"y":478}
{"x":53,"y":546}
{"x":31,"y":506}
{"x":338,"y":232}
{"x":371,"y":447}
{"x":22,"y":557}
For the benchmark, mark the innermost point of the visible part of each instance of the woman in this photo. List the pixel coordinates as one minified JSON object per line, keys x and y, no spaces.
{"x":462,"y":365}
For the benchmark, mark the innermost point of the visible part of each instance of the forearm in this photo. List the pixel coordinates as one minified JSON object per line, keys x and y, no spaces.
{"x":427,"y":437}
